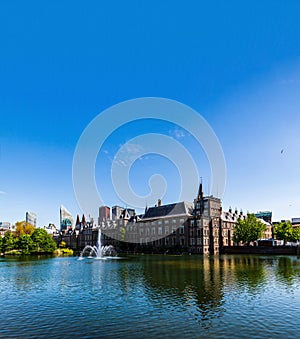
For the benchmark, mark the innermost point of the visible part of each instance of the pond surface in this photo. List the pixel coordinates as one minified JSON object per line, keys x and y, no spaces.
{"x":151,"y":297}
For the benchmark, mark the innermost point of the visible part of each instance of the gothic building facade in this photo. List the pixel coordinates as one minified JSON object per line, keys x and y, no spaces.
{"x":200,"y":227}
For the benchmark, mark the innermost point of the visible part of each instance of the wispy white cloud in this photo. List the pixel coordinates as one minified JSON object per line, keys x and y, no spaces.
{"x":133,"y":148}
{"x":178,"y":133}
{"x":2,"y":192}
{"x":120,"y":162}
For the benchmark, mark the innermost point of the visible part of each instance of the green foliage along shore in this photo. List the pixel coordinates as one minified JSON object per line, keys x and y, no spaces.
{"x":39,"y":242}
{"x":248,"y":230}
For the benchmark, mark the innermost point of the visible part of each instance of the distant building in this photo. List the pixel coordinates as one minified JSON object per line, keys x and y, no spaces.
{"x":4,"y":226}
{"x":116,"y":212}
{"x":51,"y":229}
{"x":31,"y":218}
{"x":266,"y":216}
{"x":229,"y":220}
{"x":296,"y":222}
{"x":268,"y":233}
{"x":66,"y":219}
{"x":104,"y":214}
{"x":182,"y":227}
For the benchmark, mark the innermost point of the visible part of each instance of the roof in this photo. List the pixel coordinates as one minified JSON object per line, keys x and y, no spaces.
{"x":232,"y":216}
{"x":176,"y":209}
{"x":264,"y":222}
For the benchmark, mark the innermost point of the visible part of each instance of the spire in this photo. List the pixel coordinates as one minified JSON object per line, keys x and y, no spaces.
{"x":77,"y":220}
{"x":83,"y":219}
{"x":200,"y":192}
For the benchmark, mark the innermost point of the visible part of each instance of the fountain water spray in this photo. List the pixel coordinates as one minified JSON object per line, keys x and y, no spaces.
{"x":98,"y":251}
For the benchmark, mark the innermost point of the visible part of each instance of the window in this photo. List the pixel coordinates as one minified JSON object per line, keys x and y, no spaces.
{"x":167,"y":230}
{"x":181,"y":229}
{"x":199,"y":242}
{"x":198,"y":222}
{"x":192,"y":223}
{"x":181,"y":221}
{"x":174,"y":221}
{"x":159,"y":222}
{"x":159,"y":230}
{"x":166,"y":222}
{"x":153,"y":230}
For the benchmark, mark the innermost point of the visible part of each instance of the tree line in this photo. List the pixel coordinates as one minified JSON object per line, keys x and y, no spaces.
{"x":251,"y":229}
{"x":27,"y":240}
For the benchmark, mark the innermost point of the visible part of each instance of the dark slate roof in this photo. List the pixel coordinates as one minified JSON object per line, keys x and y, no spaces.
{"x":179,"y":208}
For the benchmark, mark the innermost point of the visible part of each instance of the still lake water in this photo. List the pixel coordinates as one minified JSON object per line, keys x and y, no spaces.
{"x":151,"y":297}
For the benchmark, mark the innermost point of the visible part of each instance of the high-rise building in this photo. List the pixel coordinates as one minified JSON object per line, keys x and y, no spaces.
{"x":104,"y":214}
{"x":116,"y":212}
{"x":265,"y":215}
{"x":31,"y":218}
{"x":66,"y":219}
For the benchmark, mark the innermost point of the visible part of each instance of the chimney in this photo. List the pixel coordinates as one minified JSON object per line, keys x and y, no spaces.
{"x":159,"y":202}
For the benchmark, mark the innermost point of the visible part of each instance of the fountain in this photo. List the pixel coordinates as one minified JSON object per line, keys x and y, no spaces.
{"x":98,"y":251}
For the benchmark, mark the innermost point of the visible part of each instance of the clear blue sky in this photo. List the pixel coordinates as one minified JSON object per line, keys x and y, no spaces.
{"x":63,"y":62}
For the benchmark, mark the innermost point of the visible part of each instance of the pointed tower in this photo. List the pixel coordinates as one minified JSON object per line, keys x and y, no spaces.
{"x":198,"y":202}
{"x":77,"y":220}
{"x":200,"y":192}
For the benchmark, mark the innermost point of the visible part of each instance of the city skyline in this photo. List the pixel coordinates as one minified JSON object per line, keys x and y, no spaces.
{"x":241,"y":73}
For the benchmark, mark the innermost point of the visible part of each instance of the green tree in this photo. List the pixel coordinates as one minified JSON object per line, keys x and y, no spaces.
{"x":296,"y":233}
{"x":25,"y":244}
{"x":9,"y":242}
{"x":42,"y":241}
{"x":23,"y":227}
{"x":285,"y":231}
{"x":248,"y":230}
{"x":1,"y":243}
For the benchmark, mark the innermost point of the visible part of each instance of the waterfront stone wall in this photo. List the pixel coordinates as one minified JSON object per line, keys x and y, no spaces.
{"x":276,"y":250}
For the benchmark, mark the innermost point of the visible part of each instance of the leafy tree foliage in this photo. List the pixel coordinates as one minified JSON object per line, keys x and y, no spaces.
{"x":38,"y":242}
{"x":8,"y":242}
{"x":42,"y":241}
{"x":25,"y":244}
{"x":285,"y":231}
{"x":248,"y":230}
{"x":23,"y":227}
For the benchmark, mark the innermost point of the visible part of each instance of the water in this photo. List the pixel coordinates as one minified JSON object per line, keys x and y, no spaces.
{"x":151,"y":297}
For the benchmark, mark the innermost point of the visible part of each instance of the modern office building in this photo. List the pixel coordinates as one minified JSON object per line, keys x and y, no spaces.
{"x":265,"y":215}
{"x":116,"y":212}
{"x":31,"y":218}
{"x":104,"y":214}
{"x":66,"y":219}
{"x":4,"y":227}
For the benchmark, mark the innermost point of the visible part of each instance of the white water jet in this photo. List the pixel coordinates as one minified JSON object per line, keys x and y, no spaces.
{"x":98,"y":251}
